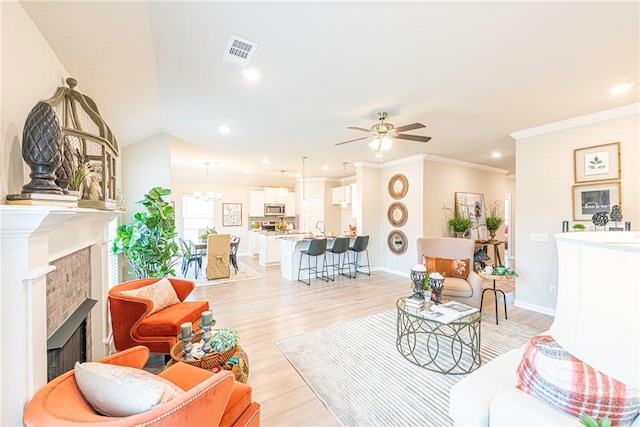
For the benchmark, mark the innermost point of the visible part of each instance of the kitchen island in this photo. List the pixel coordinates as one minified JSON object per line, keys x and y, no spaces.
{"x":291,"y":245}
{"x":269,"y":246}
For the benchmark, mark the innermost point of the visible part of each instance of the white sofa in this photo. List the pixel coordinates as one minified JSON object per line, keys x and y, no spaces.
{"x":596,"y":321}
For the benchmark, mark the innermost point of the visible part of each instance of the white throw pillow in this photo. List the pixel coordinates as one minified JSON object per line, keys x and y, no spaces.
{"x":121,"y":391}
{"x":161,"y":293}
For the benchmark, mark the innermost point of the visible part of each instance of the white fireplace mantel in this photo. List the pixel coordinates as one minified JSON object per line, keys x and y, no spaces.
{"x":31,"y":237}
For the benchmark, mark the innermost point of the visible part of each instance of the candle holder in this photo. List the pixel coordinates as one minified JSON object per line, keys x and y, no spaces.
{"x":206,"y":336}
{"x":417,"y":277}
{"x":188,"y":346}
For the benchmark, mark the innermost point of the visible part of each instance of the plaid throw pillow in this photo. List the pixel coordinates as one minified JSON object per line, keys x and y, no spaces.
{"x":550,"y":373}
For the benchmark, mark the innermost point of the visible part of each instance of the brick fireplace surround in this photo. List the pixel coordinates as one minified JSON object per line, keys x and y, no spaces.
{"x":31,"y":239}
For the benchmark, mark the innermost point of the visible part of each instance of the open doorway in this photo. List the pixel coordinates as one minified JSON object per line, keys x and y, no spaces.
{"x":507,"y":231}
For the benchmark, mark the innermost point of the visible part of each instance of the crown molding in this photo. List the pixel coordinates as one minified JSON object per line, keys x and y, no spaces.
{"x":614,"y":113}
{"x":431,"y":158}
{"x":438,"y":159}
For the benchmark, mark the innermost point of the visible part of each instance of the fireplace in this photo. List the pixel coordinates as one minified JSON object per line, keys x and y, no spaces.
{"x":34,"y":240}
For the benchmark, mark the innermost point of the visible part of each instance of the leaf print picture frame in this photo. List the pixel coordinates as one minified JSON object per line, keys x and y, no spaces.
{"x":597,"y":163}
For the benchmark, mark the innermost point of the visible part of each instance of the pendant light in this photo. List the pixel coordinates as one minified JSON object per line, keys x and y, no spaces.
{"x":283,"y":191}
{"x":344,"y":196}
{"x":304,"y":200}
{"x":208,"y":195}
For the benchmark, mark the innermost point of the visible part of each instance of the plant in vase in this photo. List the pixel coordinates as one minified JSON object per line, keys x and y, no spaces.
{"x":578,"y":227}
{"x":148,"y":244}
{"x":436,"y":280}
{"x":224,"y":339}
{"x":493,"y":210}
{"x":204,"y":236}
{"x":460,"y":224}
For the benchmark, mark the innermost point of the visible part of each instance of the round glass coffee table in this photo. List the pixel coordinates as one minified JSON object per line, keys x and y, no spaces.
{"x":449,"y":348}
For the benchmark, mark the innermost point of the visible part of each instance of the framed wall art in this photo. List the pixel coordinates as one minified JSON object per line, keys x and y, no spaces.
{"x":589,"y":199}
{"x":231,"y":214}
{"x":472,"y":205}
{"x":597,"y":163}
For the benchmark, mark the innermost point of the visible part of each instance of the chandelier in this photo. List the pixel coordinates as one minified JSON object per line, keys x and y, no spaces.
{"x":208,"y":195}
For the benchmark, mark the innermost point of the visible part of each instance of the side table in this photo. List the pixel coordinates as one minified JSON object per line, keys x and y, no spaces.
{"x":238,"y":364}
{"x":495,"y":291}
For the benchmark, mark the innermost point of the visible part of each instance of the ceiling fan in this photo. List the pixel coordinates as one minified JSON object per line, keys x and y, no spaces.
{"x":384,"y":133}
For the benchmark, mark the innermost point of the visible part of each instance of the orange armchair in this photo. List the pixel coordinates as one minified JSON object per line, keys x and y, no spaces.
{"x":132,"y":325}
{"x":209,"y":399}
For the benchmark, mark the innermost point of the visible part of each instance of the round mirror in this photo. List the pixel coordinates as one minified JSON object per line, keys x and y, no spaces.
{"x":397,"y":214}
{"x":398,"y":186}
{"x":397,"y":242}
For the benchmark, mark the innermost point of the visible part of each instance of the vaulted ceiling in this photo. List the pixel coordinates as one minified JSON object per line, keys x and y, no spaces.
{"x":472,"y":72}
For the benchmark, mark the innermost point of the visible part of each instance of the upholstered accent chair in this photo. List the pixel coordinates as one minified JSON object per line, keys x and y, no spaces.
{"x":465,"y":289}
{"x":134,"y":321}
{"x":208,"y":400}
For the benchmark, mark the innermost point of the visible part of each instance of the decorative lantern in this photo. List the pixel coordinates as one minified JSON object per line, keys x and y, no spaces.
{"x":93,"y":148}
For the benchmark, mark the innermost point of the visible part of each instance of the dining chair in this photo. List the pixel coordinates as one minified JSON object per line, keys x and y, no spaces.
{"x":233,"y":252}
{"x":190,"y":255}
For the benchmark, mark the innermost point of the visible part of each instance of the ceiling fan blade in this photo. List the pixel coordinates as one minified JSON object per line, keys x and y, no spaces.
{"x":414,"y":137}
{"x":357,"y":128}
{"x":352,"y":140}
{"x":412,"y":126}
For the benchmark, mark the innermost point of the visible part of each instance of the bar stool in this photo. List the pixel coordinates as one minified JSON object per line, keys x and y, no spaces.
{"x":317,"y":247}
{"x":360,"y":245}
{"x":341,"y":249}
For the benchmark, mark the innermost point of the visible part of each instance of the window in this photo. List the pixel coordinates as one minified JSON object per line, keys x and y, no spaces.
{"x":197,"y":214}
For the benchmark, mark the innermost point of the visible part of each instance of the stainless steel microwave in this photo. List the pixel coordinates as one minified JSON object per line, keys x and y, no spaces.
{"x":274,"y":209}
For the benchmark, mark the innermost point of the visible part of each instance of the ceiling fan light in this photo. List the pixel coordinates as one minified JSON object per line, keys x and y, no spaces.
{"x":375,"y":144}
{"x":386,"y":143}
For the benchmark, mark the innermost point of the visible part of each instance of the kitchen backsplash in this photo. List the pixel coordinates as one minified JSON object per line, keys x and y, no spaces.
{"x":295,"y":220}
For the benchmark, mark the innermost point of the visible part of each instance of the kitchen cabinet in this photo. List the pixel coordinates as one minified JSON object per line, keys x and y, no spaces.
{"x":254,"y":242}
{"x":290,"y":204}
{"x":271,"y":195}
{"x":269,"y":249}
{"x":256,"y":203}
{"x":338,"y":193}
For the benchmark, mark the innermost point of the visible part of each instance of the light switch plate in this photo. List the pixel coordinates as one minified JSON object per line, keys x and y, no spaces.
{"x":539,"y":237}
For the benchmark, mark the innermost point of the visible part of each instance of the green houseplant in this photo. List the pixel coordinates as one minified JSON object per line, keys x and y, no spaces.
{"x":495,"y":219}
{"x":578,"y":227}
{"x":148,"y":244}
{"x":460,"y":224}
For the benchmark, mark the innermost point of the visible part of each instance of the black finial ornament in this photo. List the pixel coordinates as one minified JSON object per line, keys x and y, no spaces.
{"x":42,"y":149}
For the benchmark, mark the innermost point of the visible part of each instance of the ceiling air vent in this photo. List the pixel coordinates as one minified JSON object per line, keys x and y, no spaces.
{"x":239,"y":51}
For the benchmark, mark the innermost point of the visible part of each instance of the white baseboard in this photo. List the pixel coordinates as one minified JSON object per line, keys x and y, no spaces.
{"x":391,"y":271}
{"x":535,"y":307}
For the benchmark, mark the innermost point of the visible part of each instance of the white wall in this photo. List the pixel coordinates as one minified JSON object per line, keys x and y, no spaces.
{"x":31,"y":72}
{"x":544,"y":181}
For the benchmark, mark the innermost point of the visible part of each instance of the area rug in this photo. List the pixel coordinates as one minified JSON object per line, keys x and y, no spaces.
{"x":357,"y":372}
{"x":244,"y":273}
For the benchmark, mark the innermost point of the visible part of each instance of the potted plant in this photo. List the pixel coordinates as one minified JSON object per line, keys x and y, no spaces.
{"x":579,"y":227}
{"x":460,"y":224}
{"x":493,"y":212}
{"x":148,"y":244}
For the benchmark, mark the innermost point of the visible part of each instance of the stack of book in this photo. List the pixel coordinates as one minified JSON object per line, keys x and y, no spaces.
{"x":43,"y":199}
{"x":415,"y":303}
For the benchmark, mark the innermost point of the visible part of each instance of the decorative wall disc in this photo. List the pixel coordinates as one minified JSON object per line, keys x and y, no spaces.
{"x":398,"y":186}
{"x":397,"y":214}
{"x":397,"y":242}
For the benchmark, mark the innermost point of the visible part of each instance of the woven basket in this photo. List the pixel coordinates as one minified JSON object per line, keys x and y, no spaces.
{"x":209,"y":361}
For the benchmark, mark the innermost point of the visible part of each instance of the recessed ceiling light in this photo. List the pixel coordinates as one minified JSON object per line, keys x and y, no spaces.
{"x":622,"y":88}
{"x":247,"y":171}
{"x":224,"y":129}
{"x":265,"y":161}
{"x":325,"y":168}
{"x":496,"y":155}
{"x":251,"y":73}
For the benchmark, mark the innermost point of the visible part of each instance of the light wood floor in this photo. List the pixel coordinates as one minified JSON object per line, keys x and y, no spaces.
{"x":266,"y":310}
